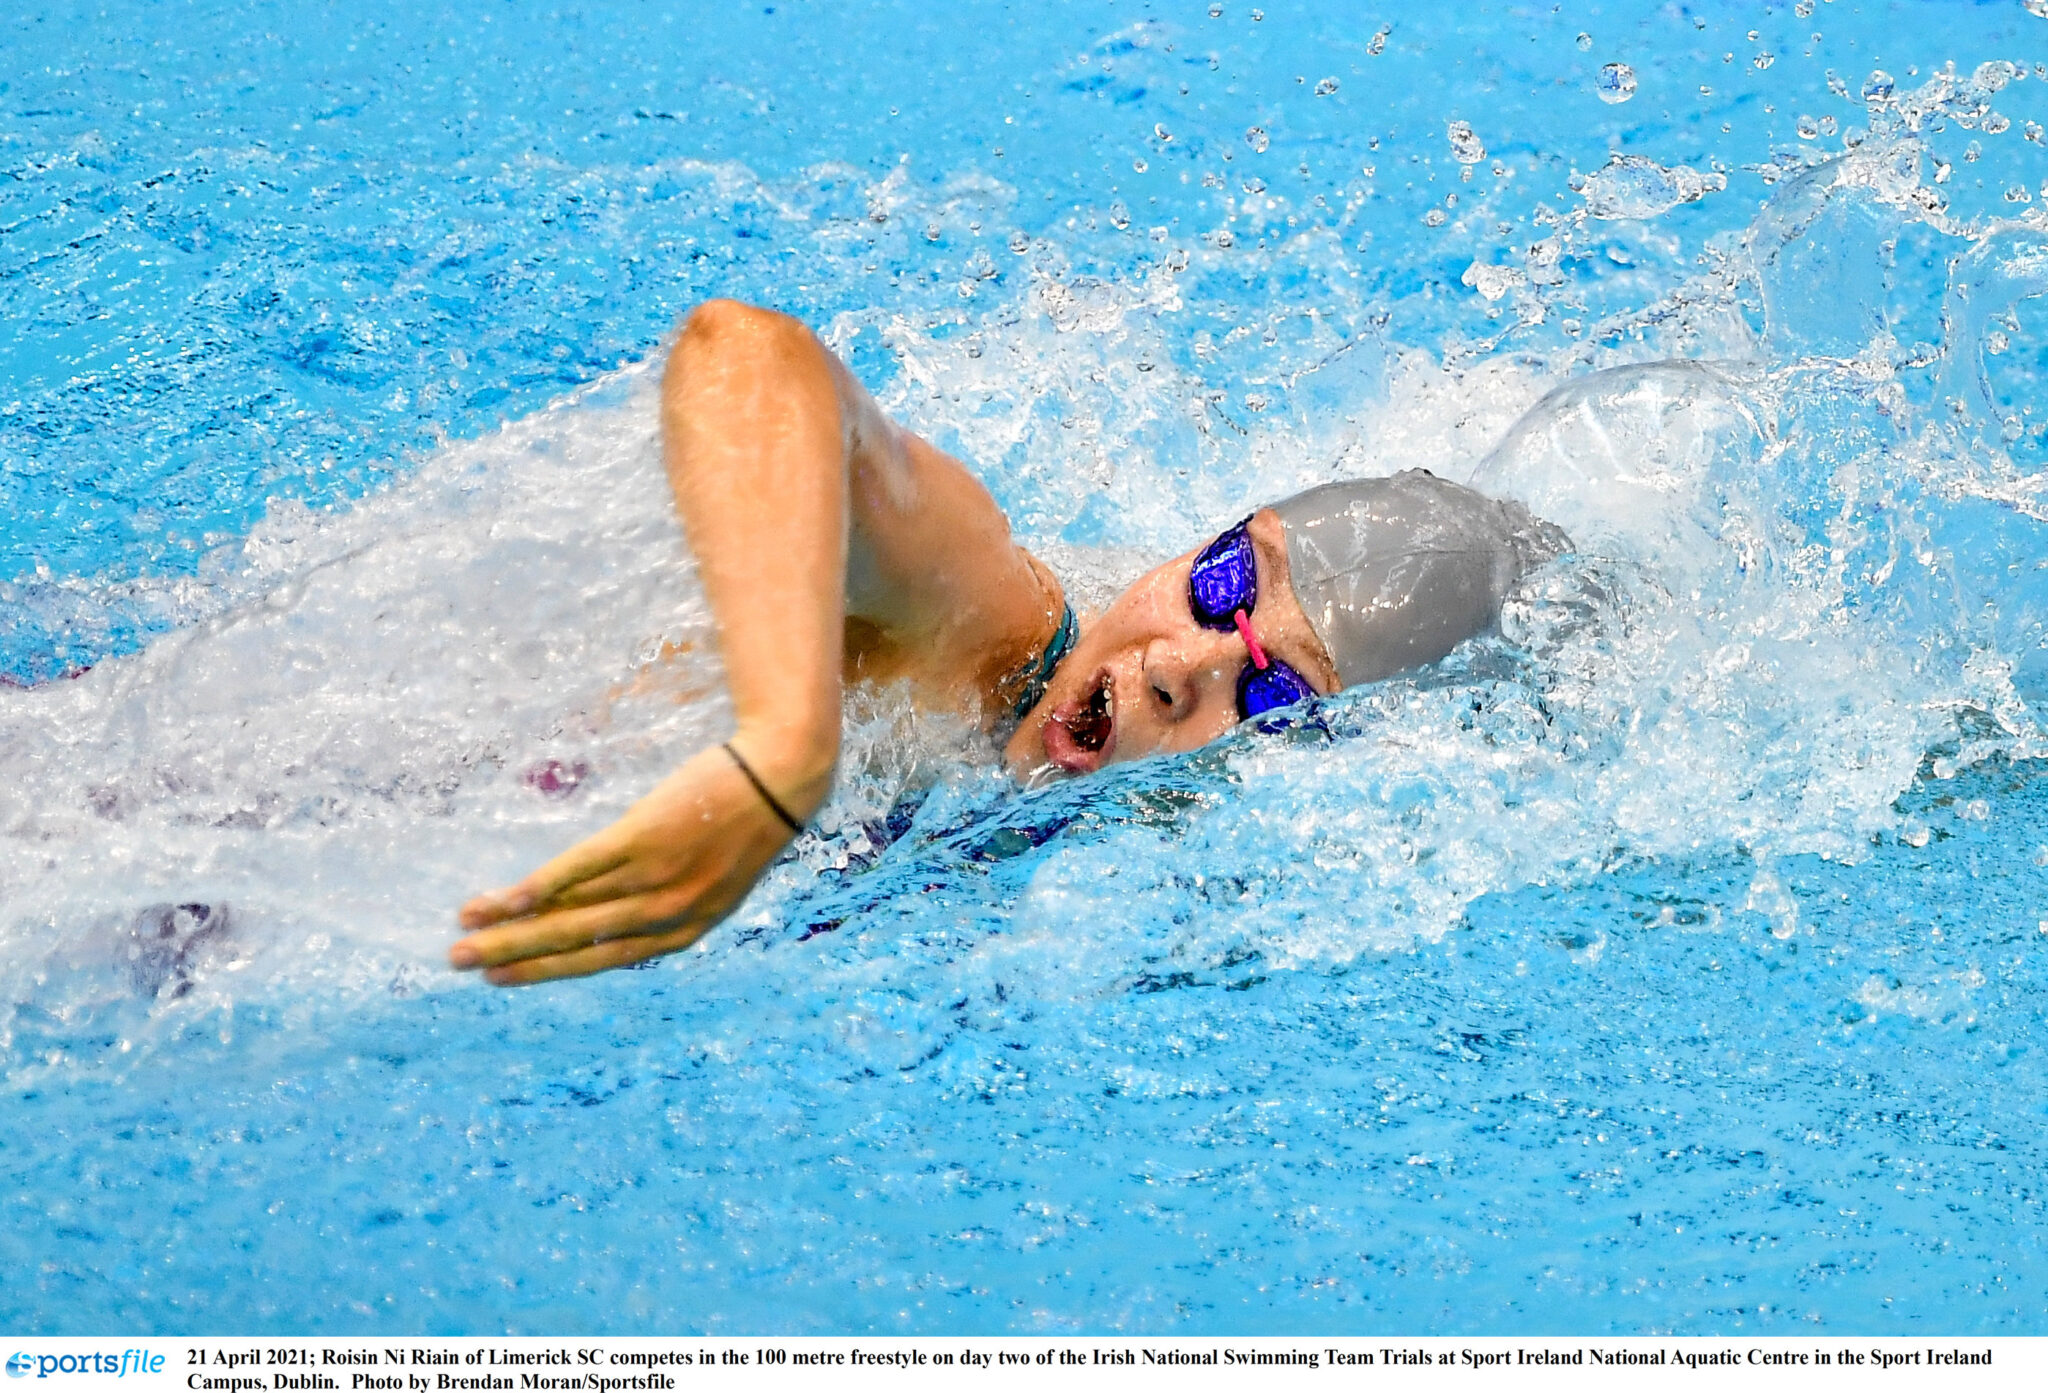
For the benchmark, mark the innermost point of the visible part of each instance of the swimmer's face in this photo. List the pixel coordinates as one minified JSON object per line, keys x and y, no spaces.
{"x":1145,"y":678}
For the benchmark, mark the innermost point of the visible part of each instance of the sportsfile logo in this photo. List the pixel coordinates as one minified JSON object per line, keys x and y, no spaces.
{"x":128,"y":1361}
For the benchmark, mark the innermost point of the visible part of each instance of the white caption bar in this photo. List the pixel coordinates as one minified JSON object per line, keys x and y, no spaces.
{"x":256,"y":1364}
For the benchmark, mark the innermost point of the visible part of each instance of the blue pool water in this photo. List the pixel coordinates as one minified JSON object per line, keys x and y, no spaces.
{"x":1671,"y":962}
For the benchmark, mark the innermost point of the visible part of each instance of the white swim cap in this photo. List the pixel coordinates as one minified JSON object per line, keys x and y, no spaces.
{"x":1395,"y":573}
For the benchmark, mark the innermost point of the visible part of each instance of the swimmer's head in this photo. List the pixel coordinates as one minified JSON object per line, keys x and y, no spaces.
{"x":1395,"y":573}
{"x":1355,"y":582}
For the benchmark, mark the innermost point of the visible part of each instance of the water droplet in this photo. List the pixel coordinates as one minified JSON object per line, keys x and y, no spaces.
{"x":1019,"y":243}
{"x":1616,"y":83}
{"x":1973,"y":152}
{"x":932,"y":232}
{"x":1161,"y":134}
{"x":1255,"y":185}
{"x":1119,"y":216}
{"x":1585,"y":41}
{"x":2036,"y":8}
{"x":1764,"y":60}
{"x":1993,"y":76}
{"x":2032,"y":131}
{"x":1804,"y":9}
{"x":1140,"y":166}
{"x":1836,"y":85}
{"x":1377,"y":44}
{"x":1435,"y":217}
{"x":1257,"y":138}
{"x":1996,"y":342}
{"x":1215,"y":12}
{"x":1258,"y":15}
{"x":1878,"y":87}
{"x":1466,"y":147}
{"x":1326,"y":87}
{"x":1225,"y":240}
{"x":1807,"y":127}
{"x":1828,"y":126}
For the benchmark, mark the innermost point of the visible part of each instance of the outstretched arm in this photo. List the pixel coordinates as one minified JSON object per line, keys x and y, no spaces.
{"x":805,"y":507}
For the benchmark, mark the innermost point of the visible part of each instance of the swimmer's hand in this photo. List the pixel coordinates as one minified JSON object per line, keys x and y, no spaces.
{"x":680,"y":860}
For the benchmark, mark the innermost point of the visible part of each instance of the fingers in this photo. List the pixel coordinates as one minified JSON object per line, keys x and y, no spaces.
{"x":566,"y":929}
{"x":598,"y":957}
{"x":632,"y":878}
{"x":587,"y":860}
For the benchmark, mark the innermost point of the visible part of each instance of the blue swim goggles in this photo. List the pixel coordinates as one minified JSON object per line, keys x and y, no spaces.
{"x":1223,"y":590}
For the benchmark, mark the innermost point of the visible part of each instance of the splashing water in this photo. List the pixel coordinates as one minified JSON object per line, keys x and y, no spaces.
{"x":1669,"y":913}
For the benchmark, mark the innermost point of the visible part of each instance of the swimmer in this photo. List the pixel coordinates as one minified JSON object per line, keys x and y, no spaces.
{"x":837,"y":547}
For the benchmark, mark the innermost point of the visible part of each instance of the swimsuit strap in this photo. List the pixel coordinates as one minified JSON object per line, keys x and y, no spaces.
{"x":1057,"y":648}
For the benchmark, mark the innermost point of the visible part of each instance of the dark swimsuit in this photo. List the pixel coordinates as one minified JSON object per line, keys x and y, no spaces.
{"x":1056,"y":649}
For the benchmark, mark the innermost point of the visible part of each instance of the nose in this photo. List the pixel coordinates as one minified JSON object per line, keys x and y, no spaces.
{"x":1182,"y":673}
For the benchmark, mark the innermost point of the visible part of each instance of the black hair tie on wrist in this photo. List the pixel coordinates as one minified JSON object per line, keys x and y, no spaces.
{"x":770,"y":799}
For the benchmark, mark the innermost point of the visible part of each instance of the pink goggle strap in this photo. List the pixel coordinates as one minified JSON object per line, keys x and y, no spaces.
{"x":1251,"y":640}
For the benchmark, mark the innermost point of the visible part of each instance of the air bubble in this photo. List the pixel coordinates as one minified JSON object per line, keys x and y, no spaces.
{"x":1019,"y":243}
{"x":1326,"y":87}
{"x":1585,"y":41}
{"x":1161,"y":134}
{"x":1215,"y":12}
{"x":1257,"y":138}
{"x":2036,"y":8}
{"x":1255,"y":185}
{"x":1258,"y":15}
{"x":1807,"y":127}
{"x":1435,"y":217}
{"x":1140,"y":166}
{"x":1804,"y":9}
{"x":1616,"y":83}
{"x":1377,"y":44}
{"x":1996,"y":123}
{"x":1764,"y":60}
{"x":1466,"y":147}
{"x":1972,"y":153}
{"x":1878,"y":88}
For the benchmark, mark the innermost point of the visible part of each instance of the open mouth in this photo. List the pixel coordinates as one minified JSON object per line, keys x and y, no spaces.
{"x":1078,"y":734}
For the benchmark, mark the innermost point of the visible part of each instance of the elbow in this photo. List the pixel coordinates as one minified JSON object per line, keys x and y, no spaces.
{"x":720,"y":338}
{"x":728,"y":326}
{"x":730,"y":348}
